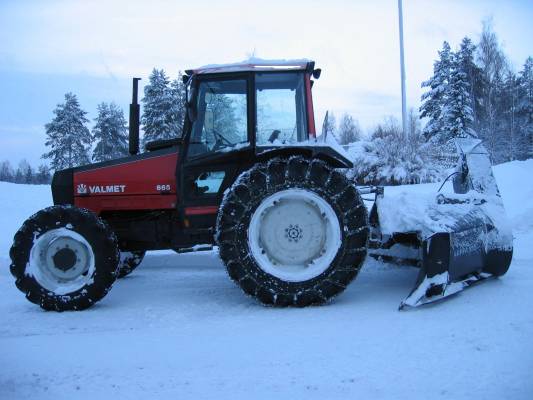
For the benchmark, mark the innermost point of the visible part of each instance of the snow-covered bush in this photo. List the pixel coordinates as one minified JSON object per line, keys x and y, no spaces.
{"x":392,"y":159}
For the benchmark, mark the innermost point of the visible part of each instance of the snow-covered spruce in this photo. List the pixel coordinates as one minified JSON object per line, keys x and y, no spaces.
{"x":110,"y":133}
{"x":129,"y":260}
{"x":67,"y":136}
{"x":434,"y":100}
{"x":64,"y":258}
{"x":163,"y":107}
{"x":292,"y":232}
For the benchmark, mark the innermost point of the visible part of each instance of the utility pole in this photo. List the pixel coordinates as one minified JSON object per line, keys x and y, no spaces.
{"x":402,"y":65}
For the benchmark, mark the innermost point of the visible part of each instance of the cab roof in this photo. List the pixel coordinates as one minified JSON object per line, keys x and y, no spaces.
{"x":256,"y":65}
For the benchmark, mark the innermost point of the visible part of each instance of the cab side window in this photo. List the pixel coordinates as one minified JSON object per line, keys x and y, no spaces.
{"x":222,"y":122}
{"x":281,"y":112}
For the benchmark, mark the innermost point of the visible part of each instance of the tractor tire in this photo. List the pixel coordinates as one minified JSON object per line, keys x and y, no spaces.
{"x":292,"y":232}
{"x":129,"y":260}
{"x":64,"y":258}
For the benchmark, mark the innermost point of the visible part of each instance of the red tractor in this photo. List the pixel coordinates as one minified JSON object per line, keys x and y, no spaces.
{"x":246,"y":174}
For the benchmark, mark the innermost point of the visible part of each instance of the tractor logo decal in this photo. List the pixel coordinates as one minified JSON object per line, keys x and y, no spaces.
{"x":96,"y":189}
{"x":81,"y":189}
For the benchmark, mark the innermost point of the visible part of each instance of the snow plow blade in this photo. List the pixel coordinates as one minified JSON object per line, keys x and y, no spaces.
{"x":457,"y":238}
{"x":447,"y":268}
{"x":478,"y":244}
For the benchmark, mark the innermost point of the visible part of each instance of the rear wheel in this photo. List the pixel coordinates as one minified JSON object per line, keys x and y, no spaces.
{"x":64,"y":258}
{"x":292,"y":232}
{"x":129,"y":260}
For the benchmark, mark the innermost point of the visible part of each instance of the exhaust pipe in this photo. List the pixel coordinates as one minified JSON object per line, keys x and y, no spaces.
{"x":134,"y":119}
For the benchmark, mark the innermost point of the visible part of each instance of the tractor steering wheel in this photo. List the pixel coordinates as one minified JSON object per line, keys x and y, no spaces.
{"x":221,"y":138}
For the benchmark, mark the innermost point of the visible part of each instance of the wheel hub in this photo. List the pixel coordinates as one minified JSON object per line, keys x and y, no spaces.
{"x":64,"y":259}
{"x":61,"y":260}
{"x":294,"y":235}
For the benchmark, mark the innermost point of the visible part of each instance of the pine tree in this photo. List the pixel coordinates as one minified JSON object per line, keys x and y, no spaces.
{"x":473,"y":76}
{"x":524,"y":111}
{"x":67,"y":135}
{"x":29,"y":176}
{"x":179,"y":102}
{"x":434,"y":100}
{"x":160,"y":119}
{"x":19,"y":176}
{"x":24,"y":173}
{"x":508,"y":145}
{"x":6,"y":172}
{"x":482,"y":97}
{"x":457,"y":116}
{"x":110,"y":133}
{"x":43,"y":175}
{"x":349,"y":130}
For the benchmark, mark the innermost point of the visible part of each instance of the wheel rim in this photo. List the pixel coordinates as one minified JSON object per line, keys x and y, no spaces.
{"x":61,"y":261}
{"x":294,"y":235}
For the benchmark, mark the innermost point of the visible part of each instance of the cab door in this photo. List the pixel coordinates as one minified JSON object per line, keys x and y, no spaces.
{"x":219,"y":145}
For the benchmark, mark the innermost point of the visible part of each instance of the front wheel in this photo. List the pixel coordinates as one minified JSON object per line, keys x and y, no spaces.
{"x":64,"y":258}
{"x":292,"y":232}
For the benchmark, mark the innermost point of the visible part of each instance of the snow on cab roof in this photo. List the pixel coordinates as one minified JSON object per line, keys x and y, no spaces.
{"x":253,"y":64}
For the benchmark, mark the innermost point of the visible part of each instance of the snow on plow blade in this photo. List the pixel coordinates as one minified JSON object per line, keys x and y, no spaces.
{"x":463,"y":237}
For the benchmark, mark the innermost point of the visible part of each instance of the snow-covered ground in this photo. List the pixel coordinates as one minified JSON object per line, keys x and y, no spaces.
{"x":179,"y":328}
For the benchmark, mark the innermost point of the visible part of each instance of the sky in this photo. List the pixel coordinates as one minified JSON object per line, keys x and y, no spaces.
{"x":93,"y":48}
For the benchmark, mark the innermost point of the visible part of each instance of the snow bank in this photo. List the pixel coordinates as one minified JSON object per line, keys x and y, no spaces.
{"x":515,"y":180}
{"x":18,"y":203}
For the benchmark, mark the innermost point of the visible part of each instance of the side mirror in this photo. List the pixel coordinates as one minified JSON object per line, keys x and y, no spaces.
{"x":316,"y":73}
{"x":191,"y":94}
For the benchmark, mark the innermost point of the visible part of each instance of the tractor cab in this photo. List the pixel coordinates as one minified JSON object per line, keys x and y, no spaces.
{"x":248,"y":105}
